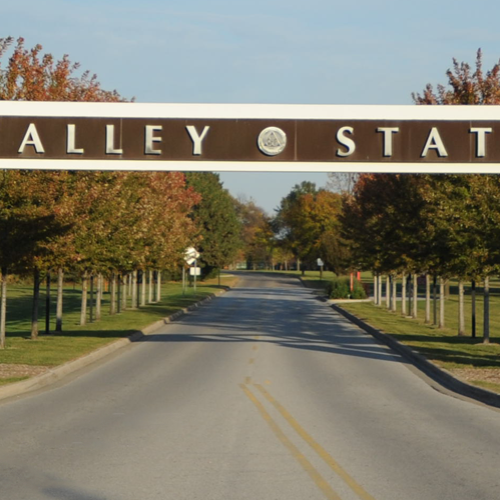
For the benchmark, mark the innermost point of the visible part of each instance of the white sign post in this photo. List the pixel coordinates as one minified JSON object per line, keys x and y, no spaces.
{"x":320,"y":265}
{"x":190,"y":256}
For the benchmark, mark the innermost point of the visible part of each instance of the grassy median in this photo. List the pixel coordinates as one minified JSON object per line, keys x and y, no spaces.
{"x":24,"y":357}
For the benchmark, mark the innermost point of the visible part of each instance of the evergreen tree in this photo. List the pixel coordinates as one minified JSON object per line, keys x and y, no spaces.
{"x":219,"y":228}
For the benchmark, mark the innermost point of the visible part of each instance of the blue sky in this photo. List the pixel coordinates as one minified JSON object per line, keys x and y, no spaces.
{"x":261,"y":51}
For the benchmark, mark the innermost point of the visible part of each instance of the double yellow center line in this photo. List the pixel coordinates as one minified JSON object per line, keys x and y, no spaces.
{"x":309,"y":468}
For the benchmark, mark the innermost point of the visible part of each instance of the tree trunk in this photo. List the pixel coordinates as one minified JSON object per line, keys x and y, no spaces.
{"x":150,"y":287}
{"x":403,"y":295}
{"x":461,"y":314}
{"x":143,"y":288}
{"x":409,"y":294}
{"x":83,"y":311}
{"x":414,"y":313}
{"x":3,"y":307}
{"x":388,"y":292}
{"x":98,"y":302}
{"x":134,"y":289}
{"x":441,"y":302}
{"x":434,"y":299}
{"x":158,"y":286}
{"x":36,"y":297}
{"x":375,"y":288}
{"x":379,"y":290}
{"x":47,"y":303}
{"x":112,"y":303}
{"x":119,"y":292}
{"x":124,"y":279}
{"x":473,"y":305}
{"x":394,"y":292}
{"x":91,"y":308}
{"x":486,"y":311}
{"x":59,"y":303}
{"x":427,"y":299}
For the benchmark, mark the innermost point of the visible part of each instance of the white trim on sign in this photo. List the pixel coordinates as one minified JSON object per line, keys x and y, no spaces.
{"x":250,"y":166}
{"x":248,"y":111}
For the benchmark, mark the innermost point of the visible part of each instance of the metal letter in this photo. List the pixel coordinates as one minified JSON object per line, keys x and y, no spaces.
{"x":481,"y":139}
{"x":197,"y":139}
{"x":150,"y":139}
{"x":31,"y":138}
{"x":434,"y":142}
{"x":110,"y":141}
{"x":70,"y":143}
{"x":388,"y":131}
{"x":345,"y":141}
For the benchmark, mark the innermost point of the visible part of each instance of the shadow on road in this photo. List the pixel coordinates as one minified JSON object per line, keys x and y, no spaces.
{"x":289,"y":317}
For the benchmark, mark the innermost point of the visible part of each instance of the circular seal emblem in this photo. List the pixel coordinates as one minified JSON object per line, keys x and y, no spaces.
{"x":272,"y":141}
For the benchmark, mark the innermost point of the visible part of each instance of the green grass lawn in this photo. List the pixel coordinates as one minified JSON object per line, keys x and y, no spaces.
{"x":76,"y":340}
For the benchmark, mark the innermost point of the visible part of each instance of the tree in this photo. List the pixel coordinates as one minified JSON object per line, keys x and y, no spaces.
{"x":308,"y":220}
{"x":383,"y":222}
{"x":219,"y":230}
{"x":30,"y":75}
{"x":256,"y":233}
{"x":466,"y":87}
{"x":342,"y":182}
{"x":469,"y":88}
{"x":28,"y":221}
{"x":288,"y":212}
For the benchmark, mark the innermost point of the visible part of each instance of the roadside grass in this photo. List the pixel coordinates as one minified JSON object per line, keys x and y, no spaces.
{"x":11,"y":380}
{"x":465,"y":356}
{"x":75,"y":341}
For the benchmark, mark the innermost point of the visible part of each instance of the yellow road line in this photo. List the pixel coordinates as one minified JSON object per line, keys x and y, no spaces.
{"x":248,"y":380}
{"x":327,"y":458}
{"x":318,"y":479}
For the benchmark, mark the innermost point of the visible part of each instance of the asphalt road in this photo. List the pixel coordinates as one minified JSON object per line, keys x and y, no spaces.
{"x":264,"y":393}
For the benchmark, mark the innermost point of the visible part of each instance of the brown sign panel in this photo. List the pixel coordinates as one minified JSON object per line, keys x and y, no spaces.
{"x":236,"y":140}
{"x":326,"y":136}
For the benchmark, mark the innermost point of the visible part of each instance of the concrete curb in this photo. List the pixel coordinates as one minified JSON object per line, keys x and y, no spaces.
{"x":59,"y":372}
{"x":439,"y":375}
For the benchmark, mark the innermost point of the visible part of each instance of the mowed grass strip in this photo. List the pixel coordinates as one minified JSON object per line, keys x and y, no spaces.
{"x":466,"y":357}
{"x":76,"y":341}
